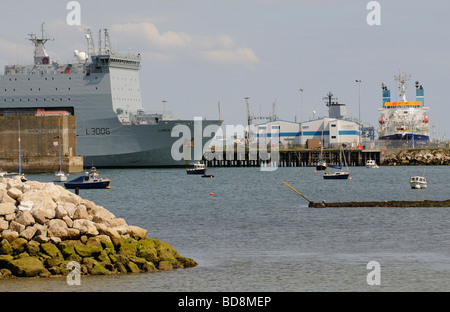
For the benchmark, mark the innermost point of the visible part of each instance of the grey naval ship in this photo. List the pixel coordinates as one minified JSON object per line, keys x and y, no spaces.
{"x":102,"y":90}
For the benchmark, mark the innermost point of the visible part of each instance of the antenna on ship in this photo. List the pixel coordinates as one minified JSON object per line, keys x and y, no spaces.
{"x":402,"y":79}
{"x":107,"y":42}
{"x":40,"y":55}
{"x":104,"y":47}
{"x":90,"y":42}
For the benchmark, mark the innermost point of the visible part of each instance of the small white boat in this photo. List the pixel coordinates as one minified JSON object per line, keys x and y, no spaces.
{"x":321,"y":165}
{"x":59,"y":176}
{"x":370,"y":163}
{"x":418,"y":182}
{"x":197,"y":168}
{"x":339,"y":175}
{"x":2,"y":173}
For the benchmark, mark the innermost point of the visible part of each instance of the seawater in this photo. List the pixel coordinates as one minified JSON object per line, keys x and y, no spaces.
{"x":256,"y":234}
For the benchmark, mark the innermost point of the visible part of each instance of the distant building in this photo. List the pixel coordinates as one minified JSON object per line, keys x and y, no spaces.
{"x":332,"y":131}
{"x":287,"y":130}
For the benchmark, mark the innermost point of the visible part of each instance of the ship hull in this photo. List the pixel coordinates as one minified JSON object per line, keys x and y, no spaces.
{"x":412,"y":140}
{"x":149,"y":146}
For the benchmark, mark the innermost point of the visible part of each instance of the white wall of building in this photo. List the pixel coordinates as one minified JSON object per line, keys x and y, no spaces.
{"x":333,"y":132}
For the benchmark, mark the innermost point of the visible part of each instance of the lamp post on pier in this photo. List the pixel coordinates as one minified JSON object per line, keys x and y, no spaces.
{"x":301,"y":115}
{"x":359,"y":105}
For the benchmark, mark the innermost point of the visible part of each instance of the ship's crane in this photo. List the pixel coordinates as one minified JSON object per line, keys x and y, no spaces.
{"x":249,"y":120}
{"x":251,"y":117}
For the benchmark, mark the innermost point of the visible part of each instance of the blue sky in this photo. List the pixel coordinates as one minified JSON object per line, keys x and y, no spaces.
{"x":198,"y":52}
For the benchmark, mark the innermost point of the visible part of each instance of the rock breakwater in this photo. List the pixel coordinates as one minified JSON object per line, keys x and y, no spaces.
{"x":44,"y":227}
{"x":432,"y":157}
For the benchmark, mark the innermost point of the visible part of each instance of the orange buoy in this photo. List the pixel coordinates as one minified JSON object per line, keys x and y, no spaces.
{"x":211,"y":193}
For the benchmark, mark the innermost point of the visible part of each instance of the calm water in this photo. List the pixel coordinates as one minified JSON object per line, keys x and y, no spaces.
{"x":256,"y":234}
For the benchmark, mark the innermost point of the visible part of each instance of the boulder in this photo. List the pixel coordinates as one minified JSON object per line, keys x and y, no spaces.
{"x":53,"y":252}
{"x":81,"y":213}
{"x":28,"y":233}
{"x":41,"y":200}
{"x":19,"y":245}
{"x":57,"y":228}
{"x":60,"y":212}
{"x":10,"y":235}
{"x":40,"y":229}
{"x":4,"y":225}
{"x":24,"y":217}
{"x":16,"y":226}
{"x":69,"y":208}
{"x":26,"y":205}
{"x":7,"y":208}
{"x":136,"y":231}
{"x":5,"y":248}
{"x":27,"y":267}
{"x":39,"y":216}
{"x":14,"y":193}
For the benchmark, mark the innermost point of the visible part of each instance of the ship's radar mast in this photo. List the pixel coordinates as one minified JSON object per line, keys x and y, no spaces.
{"x":40,"y":55}
{"x":402,"y":79}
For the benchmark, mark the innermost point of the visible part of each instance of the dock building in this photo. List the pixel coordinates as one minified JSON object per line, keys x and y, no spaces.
{"x":335,"y":130}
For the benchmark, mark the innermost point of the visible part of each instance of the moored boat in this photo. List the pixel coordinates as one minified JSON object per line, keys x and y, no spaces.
{"x":340,"y":175}
{"x":197,"y":168}
{"x":418,"y":182}
{"x":59,"y":176}
{"x":336,"y":175}
{"x":321,"y":165}
{"x":370,"y":163}
{"x":90,"y":180}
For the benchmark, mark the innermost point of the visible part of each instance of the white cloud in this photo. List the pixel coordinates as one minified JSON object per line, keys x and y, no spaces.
{"x":217,"y":49}
{"x":232,"y":56}
{"x":152,"y":35}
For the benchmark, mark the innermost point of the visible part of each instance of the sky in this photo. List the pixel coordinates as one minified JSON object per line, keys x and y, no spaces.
{"x":197,"y":53}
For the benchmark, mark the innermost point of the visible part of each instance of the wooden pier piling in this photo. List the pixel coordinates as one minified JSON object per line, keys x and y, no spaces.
{"x":289,"y":158}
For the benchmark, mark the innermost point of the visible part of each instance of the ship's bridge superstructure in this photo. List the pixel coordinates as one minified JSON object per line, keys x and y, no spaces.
{"x":48,"y":82}
{"x":404,"y":121}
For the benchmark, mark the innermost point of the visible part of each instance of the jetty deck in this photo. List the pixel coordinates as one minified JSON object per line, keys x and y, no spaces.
{"x":288,"y":158}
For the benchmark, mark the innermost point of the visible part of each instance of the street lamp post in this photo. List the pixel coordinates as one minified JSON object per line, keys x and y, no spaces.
{"x":359,"y":105}
{"x":301,"y":115}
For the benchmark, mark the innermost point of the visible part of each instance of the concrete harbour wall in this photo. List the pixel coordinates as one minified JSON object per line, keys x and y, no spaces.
{"x":39,"y":136}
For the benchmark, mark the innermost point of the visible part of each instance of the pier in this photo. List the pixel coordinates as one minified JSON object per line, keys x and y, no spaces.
{"x":289,"y":158}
